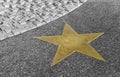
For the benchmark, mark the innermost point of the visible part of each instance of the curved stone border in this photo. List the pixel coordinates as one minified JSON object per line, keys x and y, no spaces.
{"x":18,"y":16}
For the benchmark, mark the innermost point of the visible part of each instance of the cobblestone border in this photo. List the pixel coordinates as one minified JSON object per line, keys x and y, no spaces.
{"x":18,"y":16}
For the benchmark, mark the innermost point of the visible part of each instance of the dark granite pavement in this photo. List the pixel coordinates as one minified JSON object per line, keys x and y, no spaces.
{"x":24,"y":56}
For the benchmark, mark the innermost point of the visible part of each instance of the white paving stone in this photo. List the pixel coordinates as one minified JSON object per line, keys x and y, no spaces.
{"x":18,"y":16}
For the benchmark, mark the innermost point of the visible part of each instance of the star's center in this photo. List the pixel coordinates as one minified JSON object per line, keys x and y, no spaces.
{"x":72,"y":41}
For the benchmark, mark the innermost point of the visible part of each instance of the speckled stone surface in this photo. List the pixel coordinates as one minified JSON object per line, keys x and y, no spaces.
{"x":24,"y":56}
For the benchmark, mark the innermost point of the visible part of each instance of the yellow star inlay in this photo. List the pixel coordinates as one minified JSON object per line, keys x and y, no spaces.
{"x":70,"y":42}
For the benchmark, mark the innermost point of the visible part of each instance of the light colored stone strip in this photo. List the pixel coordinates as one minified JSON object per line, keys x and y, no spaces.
{"x":18,"y":16}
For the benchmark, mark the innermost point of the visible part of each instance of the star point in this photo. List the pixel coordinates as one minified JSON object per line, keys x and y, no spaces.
{"x":70,"y":41}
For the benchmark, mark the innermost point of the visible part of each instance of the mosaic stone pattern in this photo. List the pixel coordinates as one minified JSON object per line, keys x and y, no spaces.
{"x":18,"y":16}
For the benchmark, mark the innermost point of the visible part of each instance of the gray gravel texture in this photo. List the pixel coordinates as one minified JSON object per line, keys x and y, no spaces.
{"x":24,"y":56}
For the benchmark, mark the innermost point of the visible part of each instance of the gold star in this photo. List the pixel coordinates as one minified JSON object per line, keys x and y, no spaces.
{"x":70,"y":42}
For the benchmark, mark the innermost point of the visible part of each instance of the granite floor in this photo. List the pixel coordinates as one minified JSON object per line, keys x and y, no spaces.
{"x":25,"y":56}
